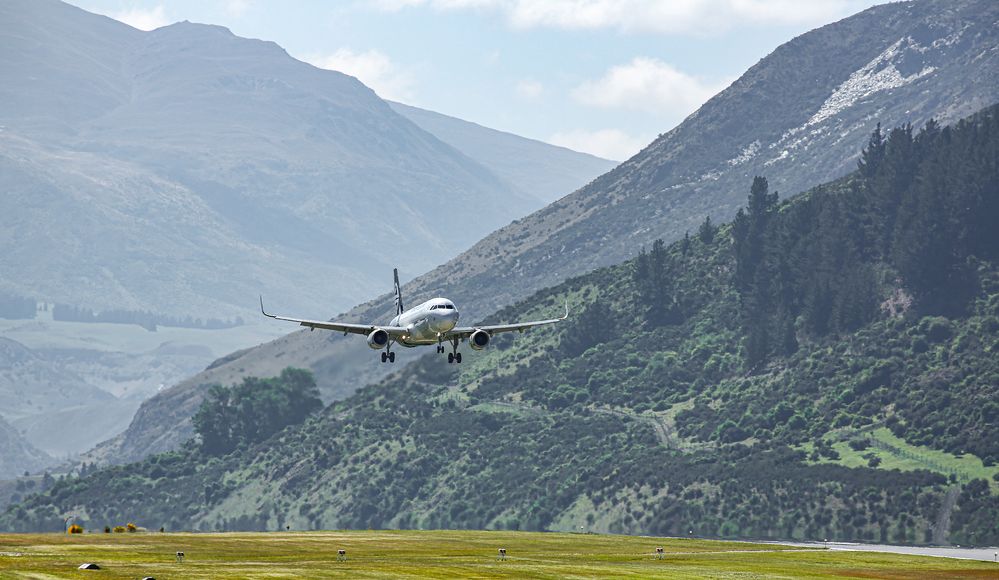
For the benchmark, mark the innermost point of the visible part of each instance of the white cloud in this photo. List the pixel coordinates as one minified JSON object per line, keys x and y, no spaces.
{"x":529,"y":88}
{"x":143,"y":19}
{"x":611,"y":144}
{"x":373,"y":68}
{"x":663,"y":16}
{"x":647,"y":84}
{"x":236,"y":8}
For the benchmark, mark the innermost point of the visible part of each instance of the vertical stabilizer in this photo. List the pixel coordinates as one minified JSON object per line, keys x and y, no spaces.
{"x":398,"y":292}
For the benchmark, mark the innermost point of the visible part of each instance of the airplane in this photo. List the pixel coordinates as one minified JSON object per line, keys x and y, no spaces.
{"x":432,"y":322}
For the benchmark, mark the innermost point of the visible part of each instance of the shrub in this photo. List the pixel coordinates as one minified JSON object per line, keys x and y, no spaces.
{"x":859,"y":444}
{"x":107,"y":529}
{"x":131,"y":527}
{"x":75,"y":529}
{"x":119,"y":529}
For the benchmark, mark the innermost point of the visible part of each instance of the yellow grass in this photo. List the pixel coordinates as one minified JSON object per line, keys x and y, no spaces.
{"x":445,"y":554}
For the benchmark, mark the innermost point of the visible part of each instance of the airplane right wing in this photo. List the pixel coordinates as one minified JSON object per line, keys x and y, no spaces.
{"x":465,"y":332}
{"x":344,"y":327}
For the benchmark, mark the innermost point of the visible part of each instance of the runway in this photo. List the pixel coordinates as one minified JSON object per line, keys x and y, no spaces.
{"x":983,"y":554}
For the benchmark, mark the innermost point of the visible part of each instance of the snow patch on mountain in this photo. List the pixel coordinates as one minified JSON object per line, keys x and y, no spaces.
{"x":878,"y":75}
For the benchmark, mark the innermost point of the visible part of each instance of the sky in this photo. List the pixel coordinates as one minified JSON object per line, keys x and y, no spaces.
{"x":600,"y":76}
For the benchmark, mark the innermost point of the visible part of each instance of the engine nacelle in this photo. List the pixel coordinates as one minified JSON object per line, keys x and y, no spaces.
{"x":378,"y":339}
{"x":479,"y":340}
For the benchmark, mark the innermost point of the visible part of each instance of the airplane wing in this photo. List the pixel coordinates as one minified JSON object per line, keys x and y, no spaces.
{"x":466,"y":331}
{"x":343,"y":327}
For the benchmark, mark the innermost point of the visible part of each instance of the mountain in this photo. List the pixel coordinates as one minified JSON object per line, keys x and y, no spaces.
{"x":796,"y":116}
{"x":17,"y":455}
{"x":30,"y":384}
{"x":43,"y":398}
{"x":186,"y":170}
{"x":538,"y":169}
{"x":822,"y":367}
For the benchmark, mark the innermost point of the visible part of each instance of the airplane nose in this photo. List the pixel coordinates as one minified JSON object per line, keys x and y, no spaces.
{"x":445,"y":321}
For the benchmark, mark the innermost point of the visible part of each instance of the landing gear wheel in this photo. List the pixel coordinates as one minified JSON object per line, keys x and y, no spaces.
{"x":384,"y":356}
{"x":391,"y":357}
{"x":450,"y":358}
{"x":457,"y":357}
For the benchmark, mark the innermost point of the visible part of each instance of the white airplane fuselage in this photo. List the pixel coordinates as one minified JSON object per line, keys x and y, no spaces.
{"x":426,"y":323}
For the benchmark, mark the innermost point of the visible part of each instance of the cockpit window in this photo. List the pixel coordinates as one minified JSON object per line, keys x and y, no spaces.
{"x":434,"y":307}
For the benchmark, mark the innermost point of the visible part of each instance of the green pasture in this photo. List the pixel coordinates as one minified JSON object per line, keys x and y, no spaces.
{"x":446,"y":554}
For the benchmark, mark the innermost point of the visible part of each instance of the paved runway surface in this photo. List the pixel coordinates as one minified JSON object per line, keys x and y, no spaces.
{"x":984,"y":554}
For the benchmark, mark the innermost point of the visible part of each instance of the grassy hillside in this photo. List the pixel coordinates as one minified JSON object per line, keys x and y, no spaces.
{"x":454,"y":554}
{"x":705,"y":387}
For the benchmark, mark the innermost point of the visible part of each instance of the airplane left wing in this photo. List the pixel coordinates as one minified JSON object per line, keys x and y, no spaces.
{"x":344,"y":327}
{"x":466,"y":331}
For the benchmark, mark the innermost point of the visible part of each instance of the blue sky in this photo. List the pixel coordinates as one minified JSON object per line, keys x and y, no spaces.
{"x":601,"y":76}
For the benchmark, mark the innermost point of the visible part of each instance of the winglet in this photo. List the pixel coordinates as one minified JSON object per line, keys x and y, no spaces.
{"x":566,"y":310}
{"x":262,"y":311}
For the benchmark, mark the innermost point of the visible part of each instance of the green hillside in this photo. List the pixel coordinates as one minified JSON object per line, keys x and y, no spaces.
{"x":819,"y":368}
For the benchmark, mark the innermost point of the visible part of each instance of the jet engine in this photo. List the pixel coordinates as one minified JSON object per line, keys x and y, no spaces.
{"x":479,"y":340}
{"x":378,"y":339}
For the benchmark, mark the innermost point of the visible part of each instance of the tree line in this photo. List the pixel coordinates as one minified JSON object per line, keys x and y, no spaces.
{"x":254,"y":410}
{"x":145,"y":319}
{"x":917,"y":219}
{"x":13,"y":307}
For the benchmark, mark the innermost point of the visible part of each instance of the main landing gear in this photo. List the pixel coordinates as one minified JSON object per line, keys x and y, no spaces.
{"x":454,"y":356}
{"x":388,"y":356}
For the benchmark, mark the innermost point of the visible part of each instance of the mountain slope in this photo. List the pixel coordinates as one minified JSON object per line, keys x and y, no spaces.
{"x":30,"y":384}
{"x":655,"y":410}
{"x":186,"y":170}
{"x":543,"y":171}
{"x":814,"y":98}
{"x":17,"y":455}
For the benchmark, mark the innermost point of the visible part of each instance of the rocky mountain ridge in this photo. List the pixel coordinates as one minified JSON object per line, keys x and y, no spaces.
{"x":186,"y":170}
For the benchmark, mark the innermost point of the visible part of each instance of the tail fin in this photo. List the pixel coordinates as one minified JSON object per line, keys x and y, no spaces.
{"x":398,"y":293}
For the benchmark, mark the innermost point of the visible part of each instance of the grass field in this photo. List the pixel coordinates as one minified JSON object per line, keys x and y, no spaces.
{"x":446,"y":554}
{"x":896,"y":453}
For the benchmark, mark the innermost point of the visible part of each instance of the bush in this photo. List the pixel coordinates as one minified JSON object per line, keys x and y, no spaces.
{"x":131,"y":527}
{"x":859,"y":444}
{"x":119,"y":529}
{"x":75,"y":529}
{"x":107,"y":529}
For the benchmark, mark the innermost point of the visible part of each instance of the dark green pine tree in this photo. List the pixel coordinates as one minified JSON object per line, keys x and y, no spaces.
{"x":872,"y":155}
{"x":706,"y":233}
